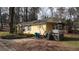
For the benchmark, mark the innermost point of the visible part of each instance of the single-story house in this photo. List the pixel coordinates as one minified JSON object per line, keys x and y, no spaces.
{"x":40,"y":26}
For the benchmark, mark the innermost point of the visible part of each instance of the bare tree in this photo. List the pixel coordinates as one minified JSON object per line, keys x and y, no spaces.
{"x":11,"y":17}
{"x":25,"y":14}
{"x":71,"y":12}
{"x":60,"y":12}
{"x":17,"y":10}
{"x":77,"y":12}
{"x":0,"y":20}
{"x":33,"y":13}
{"x":51,"y":9}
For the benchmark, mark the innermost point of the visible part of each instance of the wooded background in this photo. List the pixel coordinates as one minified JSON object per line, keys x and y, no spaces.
{"x":10,"y":16}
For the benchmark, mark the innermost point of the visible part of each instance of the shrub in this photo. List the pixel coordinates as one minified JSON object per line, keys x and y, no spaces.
{"x":17,"y":36}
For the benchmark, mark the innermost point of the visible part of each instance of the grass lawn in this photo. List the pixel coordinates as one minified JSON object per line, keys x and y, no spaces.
{"x":71,"y":43}
{"x":72,"y":35}
{"x":4,"y":33}
{"x":72,"y":40}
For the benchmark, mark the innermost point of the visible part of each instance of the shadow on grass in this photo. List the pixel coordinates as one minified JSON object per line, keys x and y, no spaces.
{"x":70,"y":39}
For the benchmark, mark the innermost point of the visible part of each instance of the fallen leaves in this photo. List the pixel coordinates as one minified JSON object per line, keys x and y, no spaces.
{"x":35,"y":45}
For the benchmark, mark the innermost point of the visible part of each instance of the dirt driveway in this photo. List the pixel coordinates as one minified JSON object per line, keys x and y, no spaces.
{"x":33,"y":45}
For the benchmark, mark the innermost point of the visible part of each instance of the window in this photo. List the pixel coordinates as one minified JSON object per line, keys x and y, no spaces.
{"x":28,"y":28}
{"x":55,"y":27}
{"x":58,"y":26}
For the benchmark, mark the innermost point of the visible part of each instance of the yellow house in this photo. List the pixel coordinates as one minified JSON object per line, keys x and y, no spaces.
{"x":40,"y":26}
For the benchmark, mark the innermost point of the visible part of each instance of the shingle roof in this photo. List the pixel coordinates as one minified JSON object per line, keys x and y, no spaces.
{"x":53,"y":20}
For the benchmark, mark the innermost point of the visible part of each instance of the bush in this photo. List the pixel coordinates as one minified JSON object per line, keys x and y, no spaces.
{"x":17,"y":36}
{"x":26,"y":35}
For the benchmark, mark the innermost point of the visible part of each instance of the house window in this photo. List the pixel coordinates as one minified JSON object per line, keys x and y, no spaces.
{"x":58,"y":26}
{"x":28,"y":28}
{"x":55,"y":27}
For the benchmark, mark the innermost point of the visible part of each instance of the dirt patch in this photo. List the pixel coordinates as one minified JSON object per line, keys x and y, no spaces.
{"x":37,"y":45}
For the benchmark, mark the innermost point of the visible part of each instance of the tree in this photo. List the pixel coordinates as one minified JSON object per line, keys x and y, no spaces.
{"x":11,"y":17}
{"x":51,"y":9}
{"x":33,"y":13}
{"x":77,"y":12}
{"x":60,"y":12}
{"x":17,"y":10}
{"x":71,"y":12}
{"x":42,"y":14}
{"x":25,"y":14}
{"x":0,"y":20}
{"x":3,"y":18}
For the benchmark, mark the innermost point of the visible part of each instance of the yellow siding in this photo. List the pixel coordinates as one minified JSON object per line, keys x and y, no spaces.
{"x":49,"y":27}
{"x":37,"y":28}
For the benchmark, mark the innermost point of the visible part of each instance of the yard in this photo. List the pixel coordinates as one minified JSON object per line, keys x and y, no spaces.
{"x":72,"y":40}
{"x":4,"y":33}
{"x":70,"y":43}
{"x":34,"y":45}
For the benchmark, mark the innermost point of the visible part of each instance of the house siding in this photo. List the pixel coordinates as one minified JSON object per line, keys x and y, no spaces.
{"x":40,"y":28}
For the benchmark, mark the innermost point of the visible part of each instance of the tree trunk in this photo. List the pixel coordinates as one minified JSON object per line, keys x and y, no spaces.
{"x":1,"y":20}
{"x":11,"y":17}
{"x":26,"y":9}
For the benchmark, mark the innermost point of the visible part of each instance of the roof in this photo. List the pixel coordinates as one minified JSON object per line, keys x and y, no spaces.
{"x":49,"y":20}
